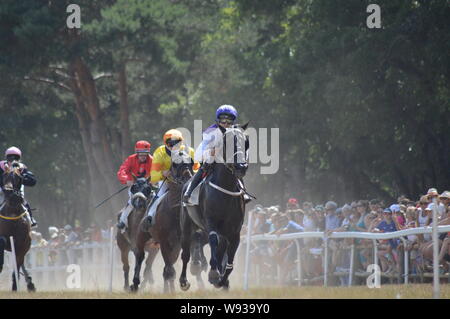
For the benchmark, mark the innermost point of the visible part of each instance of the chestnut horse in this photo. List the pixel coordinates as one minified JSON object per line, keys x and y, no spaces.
{"x":14,"y":222}
{"x":166,"y":227}
{"x":142,"y":195}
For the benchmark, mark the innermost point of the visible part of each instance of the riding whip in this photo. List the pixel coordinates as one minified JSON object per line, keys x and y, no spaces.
{"x":156,"y":195}
{"x":111,"y":197}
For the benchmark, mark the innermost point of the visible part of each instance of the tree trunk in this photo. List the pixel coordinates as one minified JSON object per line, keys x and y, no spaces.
{"x":95,"y":139}
{"x":125,"y":146}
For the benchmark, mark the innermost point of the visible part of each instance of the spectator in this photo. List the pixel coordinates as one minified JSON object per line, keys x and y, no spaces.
{"x":71,"y":236}
{"x":309,"y":219}
{"x":346,"y":212}
{"x":445,"y":200}
{"x":386,"y":251}
{"x":320,"y":217}
{"x":433,"y":194}
{"x":292,"y":204}
{"x":362,"y":207}
{"x":332,"y":220}
{"x":106,"y":232}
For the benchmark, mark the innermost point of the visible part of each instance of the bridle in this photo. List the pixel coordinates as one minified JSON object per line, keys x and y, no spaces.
{"x":180,"y":169}
{"x":232,"y":167}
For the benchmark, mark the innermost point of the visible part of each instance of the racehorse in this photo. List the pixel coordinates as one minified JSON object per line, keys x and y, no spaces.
{"x":221,"y":209}
{"x":166,"y":229}
{"x":13,"y":222}
{"x":142,"y":194}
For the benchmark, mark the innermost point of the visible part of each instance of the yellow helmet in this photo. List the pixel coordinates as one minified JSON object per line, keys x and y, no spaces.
{"x":173,"y":135}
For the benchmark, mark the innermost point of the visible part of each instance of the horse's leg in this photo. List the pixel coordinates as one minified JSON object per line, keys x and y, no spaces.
{"x":221,"y":255}
{"x":29,"y":280}
{"x":196,"y":266}
{"x":186,"y":234}
{"x":231,"y":251}
{"x":124,"y":252}
{"x":19,"y":263}
{"x":169,"y":274}
{"x":2,"y":252}
{"x":148,"y":274}
{"x":169,"y":253}
{"x":139,"y":256}
{"x":213,"y":275}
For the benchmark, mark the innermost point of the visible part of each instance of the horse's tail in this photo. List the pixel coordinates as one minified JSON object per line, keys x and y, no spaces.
{"x":2,"y":251}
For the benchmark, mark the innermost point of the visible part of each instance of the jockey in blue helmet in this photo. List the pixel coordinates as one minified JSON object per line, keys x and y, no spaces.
{"x":226,"y":115}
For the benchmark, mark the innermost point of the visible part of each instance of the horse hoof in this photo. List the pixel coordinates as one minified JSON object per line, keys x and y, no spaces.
{"x":196,"y":268}
{"x":225,"y":285}
{"x":31,"y":288}
{"x":1,"y":269}
{"x":134,"y":288}
{"x":185,"y":286}
{"x":214,"y":277}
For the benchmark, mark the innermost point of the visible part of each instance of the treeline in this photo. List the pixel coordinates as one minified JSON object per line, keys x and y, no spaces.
{"x":362,"y":112}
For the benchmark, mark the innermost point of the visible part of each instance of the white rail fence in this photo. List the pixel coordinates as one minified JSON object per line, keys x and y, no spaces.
{"x":324,"y":252}
{"x":101,"y":267}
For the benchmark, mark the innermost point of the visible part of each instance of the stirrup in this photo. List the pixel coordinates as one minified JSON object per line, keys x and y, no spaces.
{"x":121,"y":225}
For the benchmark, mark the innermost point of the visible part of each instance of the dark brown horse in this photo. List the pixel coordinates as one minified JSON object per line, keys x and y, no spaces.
{"x":128,"y":240}
{"x":221,"y":209}
{"x":14,"y":222}
{"x":166,"y":228}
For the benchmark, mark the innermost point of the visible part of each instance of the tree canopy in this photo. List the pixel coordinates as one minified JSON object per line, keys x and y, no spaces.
{"x":362,"y":113}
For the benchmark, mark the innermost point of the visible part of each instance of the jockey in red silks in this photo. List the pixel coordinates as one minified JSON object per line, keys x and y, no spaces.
{"x":135,"y":166}
{"x":13,"y":156}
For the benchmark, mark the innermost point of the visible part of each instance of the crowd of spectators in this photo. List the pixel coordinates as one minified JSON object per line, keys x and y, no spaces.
{"x":59,"y":239}
{"x":359,"y":216}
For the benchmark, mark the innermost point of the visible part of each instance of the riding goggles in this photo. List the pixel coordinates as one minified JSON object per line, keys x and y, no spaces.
{"x":226,"y":121}
{"x":172,"y":143}
{"x":12,"y":157}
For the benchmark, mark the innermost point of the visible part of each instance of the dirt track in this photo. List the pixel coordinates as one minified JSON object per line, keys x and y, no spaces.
{"x":386,"y":291}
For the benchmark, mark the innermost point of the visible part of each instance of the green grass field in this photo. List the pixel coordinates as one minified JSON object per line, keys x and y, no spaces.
{"x":385,"y":292}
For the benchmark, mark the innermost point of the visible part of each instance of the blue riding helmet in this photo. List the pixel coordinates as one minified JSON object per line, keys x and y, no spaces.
{"x":226,"y":109}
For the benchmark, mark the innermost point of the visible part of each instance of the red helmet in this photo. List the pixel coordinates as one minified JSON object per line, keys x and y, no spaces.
{"x":293,"y":201}
{"x":142,"y":147}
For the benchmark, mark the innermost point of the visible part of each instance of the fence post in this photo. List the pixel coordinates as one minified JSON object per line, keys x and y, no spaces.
{"x":351,"y":273}
{"x":247,"y":250}
{"x":111,"y":256}
{"x":436,"y":288}
{"x":14,"y":262}
{"x":299,"y":264}
{"x":375,"y":252}
{"x":325,"y":267}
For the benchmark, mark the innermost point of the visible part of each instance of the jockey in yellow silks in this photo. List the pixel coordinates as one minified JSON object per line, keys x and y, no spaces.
{"x":162,"y":161}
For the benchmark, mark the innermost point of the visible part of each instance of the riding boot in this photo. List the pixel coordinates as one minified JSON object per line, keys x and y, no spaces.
{"x":194,"y":183}
{"x":247,"y":199}
{"x":122,"y":224}
{"x":33,"y":221}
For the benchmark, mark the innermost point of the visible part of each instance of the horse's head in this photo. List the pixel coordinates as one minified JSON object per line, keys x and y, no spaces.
{"x":235,"y":149}
{"x":12,"y":182}
{"x":181,"y":168}
{"x":142,"y":191}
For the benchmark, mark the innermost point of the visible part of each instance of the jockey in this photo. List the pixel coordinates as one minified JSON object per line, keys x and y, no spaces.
{"x":13,"y":156}
{"x":135,"y":166}
{"x":162,"y":162}
{"x":211,"y":144}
